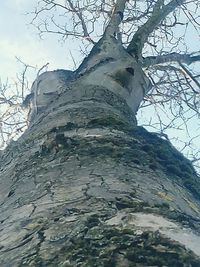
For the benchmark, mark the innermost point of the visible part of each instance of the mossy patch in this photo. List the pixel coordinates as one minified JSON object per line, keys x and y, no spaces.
{"x":160,"y":154}
{"x":102,"y":245}
{"x":110,"y":122}
{"x":165,"y":196}
{"x":137,"y":147}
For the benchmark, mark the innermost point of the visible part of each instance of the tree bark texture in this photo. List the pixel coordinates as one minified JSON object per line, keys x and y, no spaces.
{"x":84,"y":186}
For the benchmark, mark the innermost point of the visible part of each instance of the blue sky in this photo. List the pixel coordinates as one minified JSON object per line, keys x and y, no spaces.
{"x":20,"y":39}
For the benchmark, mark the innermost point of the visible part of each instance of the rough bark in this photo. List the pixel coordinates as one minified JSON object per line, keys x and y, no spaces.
{"x":84,"y":186}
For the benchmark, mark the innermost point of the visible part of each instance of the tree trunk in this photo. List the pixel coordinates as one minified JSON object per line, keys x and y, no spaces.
{"x":84,"y":186}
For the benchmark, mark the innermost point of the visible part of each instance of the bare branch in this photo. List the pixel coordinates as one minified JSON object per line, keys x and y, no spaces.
{"x":22,"y":79}
{"x":116,"y":19}
{"x":159,"y":13}
{"x":189,"y":74}
{"x":172,"y":57}
{"x":80,"y":16}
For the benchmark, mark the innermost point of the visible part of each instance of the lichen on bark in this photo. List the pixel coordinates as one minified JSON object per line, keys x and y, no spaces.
{"x":75,"y":187}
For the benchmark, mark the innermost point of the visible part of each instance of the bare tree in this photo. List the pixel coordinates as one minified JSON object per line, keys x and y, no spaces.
{"x":84,"y":185}
{"x":157,"y":33}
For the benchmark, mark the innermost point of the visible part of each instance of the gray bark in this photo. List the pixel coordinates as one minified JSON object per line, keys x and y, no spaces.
{"x":84,"y":186}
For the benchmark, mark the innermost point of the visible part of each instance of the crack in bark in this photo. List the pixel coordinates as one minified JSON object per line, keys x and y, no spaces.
{"x":20,"y":244}
{"x":33,"y":210}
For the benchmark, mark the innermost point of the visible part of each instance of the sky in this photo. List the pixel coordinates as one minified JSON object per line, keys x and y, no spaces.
{"x":20,"y":39}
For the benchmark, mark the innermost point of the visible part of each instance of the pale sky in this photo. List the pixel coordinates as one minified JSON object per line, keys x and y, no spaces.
{"x":20,"y":39}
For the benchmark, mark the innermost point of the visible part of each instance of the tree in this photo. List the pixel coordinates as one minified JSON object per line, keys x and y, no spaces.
{"x":84,"y":186}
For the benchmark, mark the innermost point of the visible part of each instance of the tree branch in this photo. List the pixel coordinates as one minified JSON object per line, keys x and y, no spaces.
{"x":173,"y":57}
{"x":190,"y":74}
{"x":159,"y":13}
{"x":80,"y":16}
{"x":116,"y":18}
